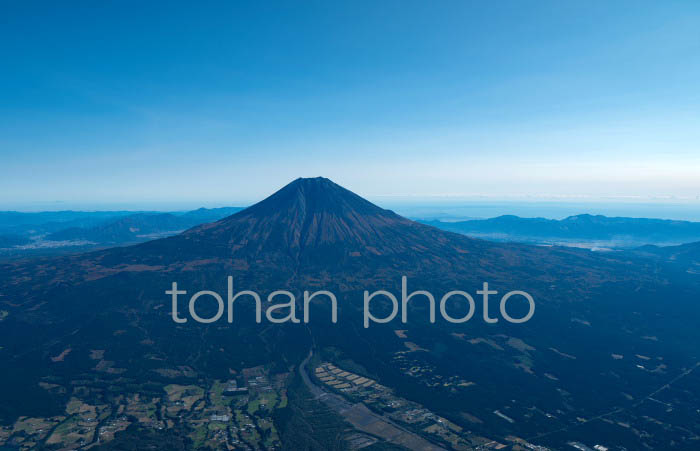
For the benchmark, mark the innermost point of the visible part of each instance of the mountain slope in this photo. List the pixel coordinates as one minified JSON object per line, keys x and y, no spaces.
{"x":315,"y":220}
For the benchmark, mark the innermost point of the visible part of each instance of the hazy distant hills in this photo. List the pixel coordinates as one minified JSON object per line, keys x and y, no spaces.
{"x":26,"y":224}
{"x":126,"y":229}
{"x":23,"y":234}
{"x":581,"y":230}
{"x":139,"y":226}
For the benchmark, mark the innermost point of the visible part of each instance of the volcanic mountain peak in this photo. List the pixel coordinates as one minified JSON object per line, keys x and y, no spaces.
{"x":312,"y":196}
{"x":313,"y":213}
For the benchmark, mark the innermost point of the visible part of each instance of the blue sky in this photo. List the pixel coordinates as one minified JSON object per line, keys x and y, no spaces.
{"x":223,"y":102}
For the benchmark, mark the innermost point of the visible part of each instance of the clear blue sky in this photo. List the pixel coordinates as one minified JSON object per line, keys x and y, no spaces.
{"x":118,"y":101}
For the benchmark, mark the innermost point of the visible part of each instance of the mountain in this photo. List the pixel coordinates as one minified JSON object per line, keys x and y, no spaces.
{"x":314,"y":225}
{"x":53,"y":233}
{"x":140,"y":226}
{"x":584,"y":230}
{"x":316,"y":222}
{"x":26,"y":224}
{"x":686,"y":256}
{"x":609,"y":330}
{"x":125,"y":230}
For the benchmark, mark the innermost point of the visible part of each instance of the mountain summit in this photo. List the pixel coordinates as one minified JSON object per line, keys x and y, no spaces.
{"x":315,"y":214}
{"x":313,"y":196}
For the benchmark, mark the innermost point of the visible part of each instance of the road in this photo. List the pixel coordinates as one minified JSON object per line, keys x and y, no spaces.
{"x":364,"y":419}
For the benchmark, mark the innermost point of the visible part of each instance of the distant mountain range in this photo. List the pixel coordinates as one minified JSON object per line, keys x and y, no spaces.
{"x":581,"y":230}
{"x":24,"y":234}
{"x":139,"y":226}
{"x":25,"y":224}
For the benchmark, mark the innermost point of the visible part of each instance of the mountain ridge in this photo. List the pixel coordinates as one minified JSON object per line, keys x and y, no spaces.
{"x":616,"y":231}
